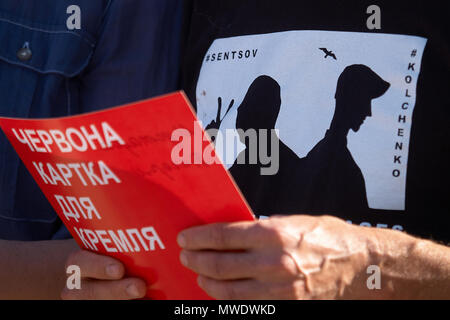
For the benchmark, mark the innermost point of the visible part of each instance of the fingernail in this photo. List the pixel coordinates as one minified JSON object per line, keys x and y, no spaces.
{"x":133,"y":291}
{"x":183,"y":259}
{"x":113,"y":270}
{"x":181,"y":240}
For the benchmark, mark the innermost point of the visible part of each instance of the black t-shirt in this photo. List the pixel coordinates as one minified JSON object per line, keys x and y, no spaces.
{"x":354,"y":98}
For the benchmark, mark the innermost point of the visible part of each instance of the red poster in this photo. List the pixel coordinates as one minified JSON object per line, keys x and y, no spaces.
{"x":125,"y":181}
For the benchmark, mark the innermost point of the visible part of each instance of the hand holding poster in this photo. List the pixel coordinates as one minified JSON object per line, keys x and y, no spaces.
{"x":116,"y":180}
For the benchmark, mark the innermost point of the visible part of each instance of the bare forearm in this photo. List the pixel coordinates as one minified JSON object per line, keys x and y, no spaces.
{"x":412,"y":268}
{"x":33,"y":270}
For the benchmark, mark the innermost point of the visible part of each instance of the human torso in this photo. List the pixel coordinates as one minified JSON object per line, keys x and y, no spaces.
{"x":401,"y":150}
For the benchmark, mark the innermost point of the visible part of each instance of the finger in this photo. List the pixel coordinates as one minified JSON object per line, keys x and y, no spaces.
{"x":228,"y":236}
{"x":266,"y":266}
{"x":251,"y":289}
{"x":221,"y":266}
{"x":125,"y":289}
{"x":96,"y":266}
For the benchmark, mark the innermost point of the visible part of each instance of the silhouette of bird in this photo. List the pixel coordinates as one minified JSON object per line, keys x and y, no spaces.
{"x":328,"y":53}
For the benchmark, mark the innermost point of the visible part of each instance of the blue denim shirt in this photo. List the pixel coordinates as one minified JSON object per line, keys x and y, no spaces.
{"x":125,"y":50}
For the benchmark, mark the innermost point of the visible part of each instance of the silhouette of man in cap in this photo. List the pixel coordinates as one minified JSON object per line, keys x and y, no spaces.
{"x":333,"y":180}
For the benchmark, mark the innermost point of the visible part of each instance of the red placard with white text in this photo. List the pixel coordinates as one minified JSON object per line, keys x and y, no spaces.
{"x":125,"y":181}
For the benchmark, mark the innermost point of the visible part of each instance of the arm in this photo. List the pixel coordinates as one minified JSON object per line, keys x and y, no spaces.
{"x":33,"y":270}
{"x":412,"y":268}
{"x":36,"y":270}
{"x":303,"y":257}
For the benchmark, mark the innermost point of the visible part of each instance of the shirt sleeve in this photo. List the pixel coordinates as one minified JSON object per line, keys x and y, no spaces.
{"x":136,"y":56}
